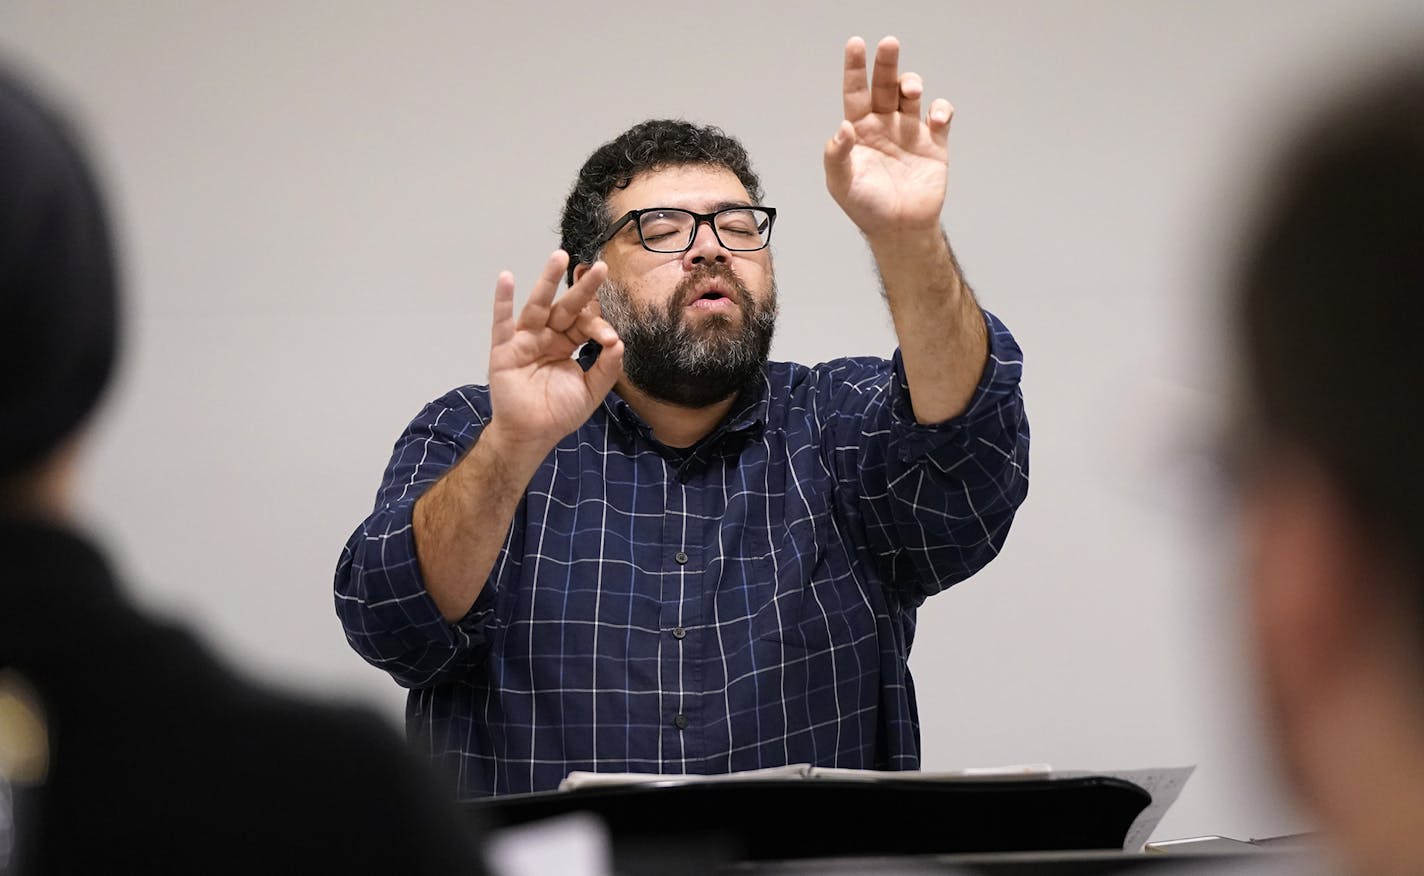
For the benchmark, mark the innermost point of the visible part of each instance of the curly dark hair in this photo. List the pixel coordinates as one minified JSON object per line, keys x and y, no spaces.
{"x":650,"y":145}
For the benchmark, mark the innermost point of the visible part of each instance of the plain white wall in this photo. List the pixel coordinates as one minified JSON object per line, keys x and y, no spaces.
{"x":314,"y":199}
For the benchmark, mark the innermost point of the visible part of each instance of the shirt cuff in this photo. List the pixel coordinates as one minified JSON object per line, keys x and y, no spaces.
{"x":998,"y":387}
{"x":416,"y":602}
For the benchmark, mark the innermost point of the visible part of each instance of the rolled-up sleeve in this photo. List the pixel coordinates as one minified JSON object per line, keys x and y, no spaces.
{"x":937,"y":499}
{"x":388,"y":617}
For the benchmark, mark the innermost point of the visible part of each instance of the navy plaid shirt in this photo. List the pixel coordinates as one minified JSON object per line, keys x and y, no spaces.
{"x":745,"y":604}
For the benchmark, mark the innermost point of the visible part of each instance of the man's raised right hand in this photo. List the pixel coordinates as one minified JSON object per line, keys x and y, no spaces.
{"x":538,"y":393}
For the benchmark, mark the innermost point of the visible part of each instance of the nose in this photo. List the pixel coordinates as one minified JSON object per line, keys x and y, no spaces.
{"x":706,"y":248}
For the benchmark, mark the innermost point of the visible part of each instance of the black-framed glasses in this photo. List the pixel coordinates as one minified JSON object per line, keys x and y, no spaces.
{"x":672,"y":230}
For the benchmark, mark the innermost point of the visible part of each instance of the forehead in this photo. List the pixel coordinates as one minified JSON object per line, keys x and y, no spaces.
{"x":693,"y":186}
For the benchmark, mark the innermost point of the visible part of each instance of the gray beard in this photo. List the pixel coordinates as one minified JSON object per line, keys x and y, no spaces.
{"x":685,"y":365}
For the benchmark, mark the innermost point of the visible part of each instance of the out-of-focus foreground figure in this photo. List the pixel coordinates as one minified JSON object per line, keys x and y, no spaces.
{"x":129,"y":746}
{"x":1331,"y":308}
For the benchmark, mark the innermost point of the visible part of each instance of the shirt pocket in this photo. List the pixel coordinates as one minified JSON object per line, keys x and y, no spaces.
{"x":787,"y":574}
{"x":818,"y":602}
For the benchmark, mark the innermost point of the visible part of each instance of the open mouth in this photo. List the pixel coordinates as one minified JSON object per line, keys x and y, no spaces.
{"x":711,"y":296}
{"x":711,"y":300}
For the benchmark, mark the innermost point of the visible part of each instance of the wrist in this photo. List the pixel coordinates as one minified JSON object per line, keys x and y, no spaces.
{"x":916,"y":241}
{"x":920,"y":260}
{"x":518,"y":455}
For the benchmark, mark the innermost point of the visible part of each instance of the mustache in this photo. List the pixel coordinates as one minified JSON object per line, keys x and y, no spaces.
{"x":701,"y":275}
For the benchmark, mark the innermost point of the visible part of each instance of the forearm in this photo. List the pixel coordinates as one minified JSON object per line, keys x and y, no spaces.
{"x":937,"y":321}
{"x":461,"y":522}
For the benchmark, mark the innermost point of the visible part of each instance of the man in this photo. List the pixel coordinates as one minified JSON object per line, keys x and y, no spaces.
{"x":1332,"y":310}
{"x":132,"y":748}
{"x":672,"y":556}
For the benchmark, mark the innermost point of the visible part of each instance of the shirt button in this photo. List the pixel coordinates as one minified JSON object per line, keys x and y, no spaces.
{"x":678,"y":632}
{"x":681,"y":558}
{"x":680,"y":722}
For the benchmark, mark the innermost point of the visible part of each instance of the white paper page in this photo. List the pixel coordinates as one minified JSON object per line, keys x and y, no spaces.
{"x":1011,"y":771}
{"x":581,"y":779}
{"x":570,"y":845}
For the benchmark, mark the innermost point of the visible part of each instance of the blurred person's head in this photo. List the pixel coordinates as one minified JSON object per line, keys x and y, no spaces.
{"x":1331,"y":306}
{"x":58,"y":301}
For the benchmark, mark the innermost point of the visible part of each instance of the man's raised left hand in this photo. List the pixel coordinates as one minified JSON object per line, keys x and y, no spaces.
{"x":887,"y":166}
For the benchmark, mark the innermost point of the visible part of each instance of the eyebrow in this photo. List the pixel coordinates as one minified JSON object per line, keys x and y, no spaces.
{"x":632,"y":227}
{"x":720,"y":205}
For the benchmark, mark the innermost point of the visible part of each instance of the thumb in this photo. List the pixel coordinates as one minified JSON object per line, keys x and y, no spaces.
{"x":837,"y":157}
{"x":605,"y":371}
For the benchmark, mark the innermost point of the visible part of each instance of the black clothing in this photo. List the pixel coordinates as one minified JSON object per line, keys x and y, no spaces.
{"x":162,"y":760}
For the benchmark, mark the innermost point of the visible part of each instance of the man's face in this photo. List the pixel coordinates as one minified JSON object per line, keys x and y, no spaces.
{"x":697,"y":325}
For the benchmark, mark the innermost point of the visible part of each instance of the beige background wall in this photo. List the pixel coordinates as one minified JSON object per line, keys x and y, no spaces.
{"x":314,"y":200}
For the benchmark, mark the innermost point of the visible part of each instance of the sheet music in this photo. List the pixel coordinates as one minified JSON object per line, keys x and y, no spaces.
{"x":1010,"y":771}
{"x":582,"y":779}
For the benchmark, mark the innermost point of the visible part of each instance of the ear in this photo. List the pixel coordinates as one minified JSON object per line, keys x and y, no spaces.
{"x":579,"y":270}
{"x":1312,"y":582}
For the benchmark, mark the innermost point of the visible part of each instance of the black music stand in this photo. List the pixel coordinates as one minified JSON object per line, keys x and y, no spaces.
{"x":779,"y":819}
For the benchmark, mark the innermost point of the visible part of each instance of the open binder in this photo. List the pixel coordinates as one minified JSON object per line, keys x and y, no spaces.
{"x":782,"y":817}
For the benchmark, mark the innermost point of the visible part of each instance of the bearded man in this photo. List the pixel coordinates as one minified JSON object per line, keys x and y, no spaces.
{"x":669,"y":555}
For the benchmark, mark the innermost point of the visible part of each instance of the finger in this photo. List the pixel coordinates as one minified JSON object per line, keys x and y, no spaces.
{"x":578,"y":335}
{"x":940,"y":115}
{"x":535,"y":314}
{"x":503,"y":327}
{"x":591,"y":326}
{"x":566,"y":310}
{"x":911,"y":87}
{"x":605,"y":371}
{"x":837,"y":156}
{"x":855,"y":91}
{"x":885,"y":78}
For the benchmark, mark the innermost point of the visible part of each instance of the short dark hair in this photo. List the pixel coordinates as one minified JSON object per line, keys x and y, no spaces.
{"x":58,"y":286}
{"x":650,"y":145}
{"x":1331,"y":307}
